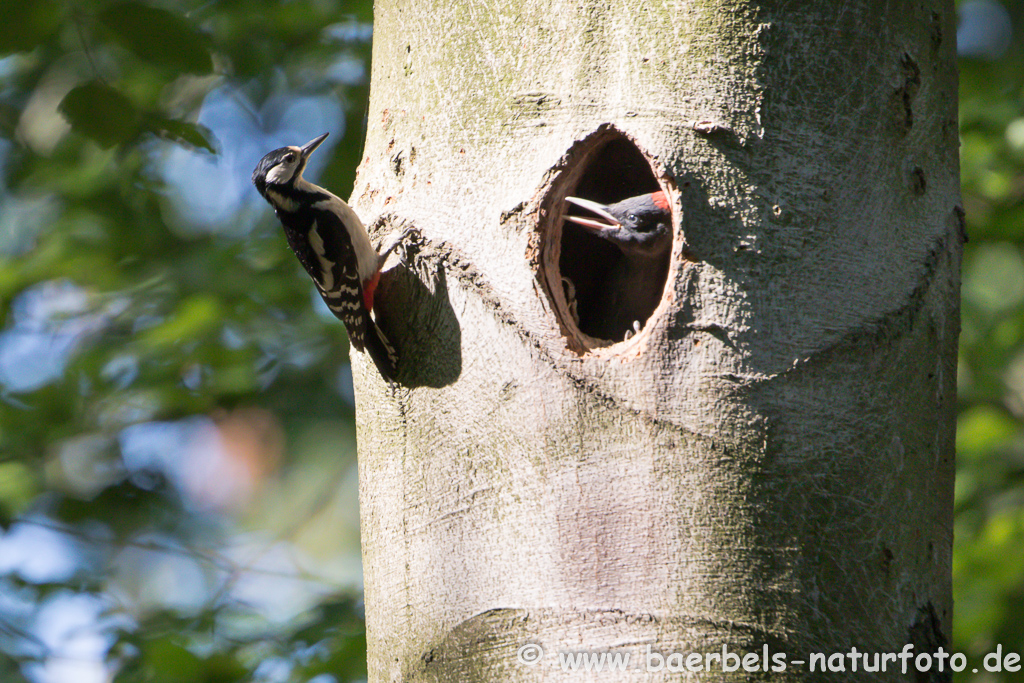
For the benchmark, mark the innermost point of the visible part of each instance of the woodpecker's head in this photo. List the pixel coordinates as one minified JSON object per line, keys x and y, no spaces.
{"x":281,"y":170}
{"x":640,"y":225}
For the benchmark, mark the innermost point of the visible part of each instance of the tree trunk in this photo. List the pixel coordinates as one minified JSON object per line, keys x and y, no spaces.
{"x":768,"y":464}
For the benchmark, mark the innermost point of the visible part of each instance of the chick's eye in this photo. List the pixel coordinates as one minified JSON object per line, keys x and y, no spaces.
{"x":632,"y":218}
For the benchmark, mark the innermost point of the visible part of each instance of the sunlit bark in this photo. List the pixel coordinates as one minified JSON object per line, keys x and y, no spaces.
{"x":769,"y":462}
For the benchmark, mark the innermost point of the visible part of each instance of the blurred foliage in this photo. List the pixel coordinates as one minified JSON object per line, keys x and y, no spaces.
{"x":176,"y":424}
{"x":988,"y":566}
{"x":147,"y":334}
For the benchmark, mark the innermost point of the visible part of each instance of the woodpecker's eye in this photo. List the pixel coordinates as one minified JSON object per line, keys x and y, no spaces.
{"x":632,"y":218}
{"x":289,"y":158}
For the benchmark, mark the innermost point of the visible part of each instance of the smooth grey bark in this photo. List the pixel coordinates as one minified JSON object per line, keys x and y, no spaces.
{"x":770,"y":462}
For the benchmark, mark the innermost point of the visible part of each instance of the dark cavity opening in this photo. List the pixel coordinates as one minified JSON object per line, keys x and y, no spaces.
{"x":612,"y":280}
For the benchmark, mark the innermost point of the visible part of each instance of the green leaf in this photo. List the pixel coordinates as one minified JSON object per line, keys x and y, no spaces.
{"x":165,"y":660}
{"x":195,"y":317}
{"x":18,"y":486}
{"x":24,"y":24}
{"x":100,"y":112}
{"x":982,"y":430}
{"x":190,"y":135}
{"x":171,"y":661}
{"x":10,"y":670}
{"x":158,"y":36}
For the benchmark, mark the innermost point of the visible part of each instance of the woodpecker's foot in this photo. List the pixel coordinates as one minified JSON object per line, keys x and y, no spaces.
{"x":633,"y":332}
{"x":394,"y":240}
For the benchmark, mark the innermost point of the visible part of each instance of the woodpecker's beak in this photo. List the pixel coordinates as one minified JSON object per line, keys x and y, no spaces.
{"x":308,"y":148}
{"x":600,"y":209}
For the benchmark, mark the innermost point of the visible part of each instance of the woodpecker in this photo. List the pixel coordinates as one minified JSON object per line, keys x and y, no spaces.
{"x":641,"y":228}
{"x":332,"y":245}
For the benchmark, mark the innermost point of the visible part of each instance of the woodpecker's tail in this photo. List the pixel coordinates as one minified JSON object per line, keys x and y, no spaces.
{"x":380,"y":350}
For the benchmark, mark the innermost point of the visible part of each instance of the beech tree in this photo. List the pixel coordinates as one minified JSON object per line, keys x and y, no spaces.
{"x":767,"y":464}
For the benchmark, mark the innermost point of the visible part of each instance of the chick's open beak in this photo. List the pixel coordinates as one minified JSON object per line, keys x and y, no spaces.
{"x":590,"y":223}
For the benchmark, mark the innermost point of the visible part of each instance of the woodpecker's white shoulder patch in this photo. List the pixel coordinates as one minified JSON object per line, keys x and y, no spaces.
{"x":366,"y":256}
{"x":326,"y":265}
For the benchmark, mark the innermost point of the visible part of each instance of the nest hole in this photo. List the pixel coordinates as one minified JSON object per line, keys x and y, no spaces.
{"x":610,"y":286}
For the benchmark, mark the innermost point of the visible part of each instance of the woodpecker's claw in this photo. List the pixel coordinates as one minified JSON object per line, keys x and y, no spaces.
{"x":308,"y":148}
{"x":600,"y":209}
{"x":394,"y":240}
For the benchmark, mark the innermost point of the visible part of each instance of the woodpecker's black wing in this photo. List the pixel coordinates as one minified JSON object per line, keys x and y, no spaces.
{"x":323,"y":246}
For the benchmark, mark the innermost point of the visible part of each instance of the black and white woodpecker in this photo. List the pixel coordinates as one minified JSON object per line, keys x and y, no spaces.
{"x":332,"y":245}
{"x":641,"y":227}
